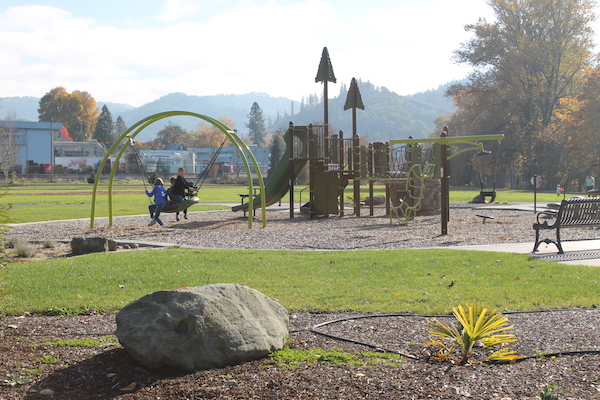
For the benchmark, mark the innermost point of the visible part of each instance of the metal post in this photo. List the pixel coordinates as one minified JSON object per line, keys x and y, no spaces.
{"x":311,"y":177}
{"x":445,"y":183}
{"x":371,"y":174}
{"x":341,"y":168}
{"x":291,"y":177}
{"x":356,"y":172}
{"x":51,"y":152}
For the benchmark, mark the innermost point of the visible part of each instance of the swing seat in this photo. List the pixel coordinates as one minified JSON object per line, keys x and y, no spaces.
{"x":182,"y":206}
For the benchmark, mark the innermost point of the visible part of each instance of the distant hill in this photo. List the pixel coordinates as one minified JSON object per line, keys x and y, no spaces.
{"x":232,"y":106}
{"x":387,"y":115}
{"x":19,"y":108}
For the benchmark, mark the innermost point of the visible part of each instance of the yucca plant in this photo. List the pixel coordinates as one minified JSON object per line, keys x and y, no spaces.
{"x":476,"y":325}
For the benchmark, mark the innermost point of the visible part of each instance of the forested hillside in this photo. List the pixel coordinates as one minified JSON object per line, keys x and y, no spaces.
{"x":386,"y":115}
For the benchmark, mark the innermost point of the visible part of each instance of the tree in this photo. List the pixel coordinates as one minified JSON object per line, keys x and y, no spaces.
{"x":8,"y":150}
{"x":578,"y":119}
{"x":256,"y":125}
{"x":524,"y":63}
{"x":77,"y":112}
{"x":171,"y":134}
{"x":105,"y":128}
{"x":208,"y":135}
{"x":276,"y":153}
{"x":120,"y":127}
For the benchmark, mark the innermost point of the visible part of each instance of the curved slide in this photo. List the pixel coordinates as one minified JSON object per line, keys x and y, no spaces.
{"x":277,"y":185}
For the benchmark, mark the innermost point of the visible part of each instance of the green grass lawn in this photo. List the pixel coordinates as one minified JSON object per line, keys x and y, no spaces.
{"x":38,"y":202}
{"x":419,"y":281}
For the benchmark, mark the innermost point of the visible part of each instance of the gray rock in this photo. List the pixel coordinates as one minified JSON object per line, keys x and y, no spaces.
{"x":81,"y":246}
{"x":377,"y":200}
{"x":202,"y":327}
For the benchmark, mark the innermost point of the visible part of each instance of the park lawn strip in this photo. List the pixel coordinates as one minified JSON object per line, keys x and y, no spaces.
{"x":417,"y":281}
{"x":32,"y":203}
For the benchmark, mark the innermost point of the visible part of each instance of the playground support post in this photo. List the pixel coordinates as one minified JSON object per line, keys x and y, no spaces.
{"x":340,"y":160}
{"x":445,"y":182}
{"x":291,"y":177}
{"x":370,"y":175}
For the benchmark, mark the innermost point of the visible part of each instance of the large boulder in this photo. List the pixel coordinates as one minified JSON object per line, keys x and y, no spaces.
{"x":81,"y":245}
{"x":202,"y":327}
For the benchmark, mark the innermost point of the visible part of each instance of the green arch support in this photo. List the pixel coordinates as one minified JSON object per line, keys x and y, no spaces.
{"x":133,"y":131}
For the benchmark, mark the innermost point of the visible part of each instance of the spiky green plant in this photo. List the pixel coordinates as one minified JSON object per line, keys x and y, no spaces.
{"x":476,"y":324}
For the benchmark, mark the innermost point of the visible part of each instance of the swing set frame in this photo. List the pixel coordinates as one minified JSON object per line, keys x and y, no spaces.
{"x":244,"y":152}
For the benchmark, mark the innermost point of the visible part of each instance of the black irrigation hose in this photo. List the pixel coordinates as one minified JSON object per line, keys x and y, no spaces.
{"x":315,"y":330}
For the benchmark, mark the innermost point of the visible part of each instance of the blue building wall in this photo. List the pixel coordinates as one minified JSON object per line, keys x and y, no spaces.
{"x":34,"y":140}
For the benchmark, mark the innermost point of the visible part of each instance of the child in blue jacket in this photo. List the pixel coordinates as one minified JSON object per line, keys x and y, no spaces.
{"x":160,"y":201}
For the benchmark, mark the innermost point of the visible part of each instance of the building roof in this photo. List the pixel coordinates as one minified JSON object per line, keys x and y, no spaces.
{"x":45,"y":126}
{"x":175,"y":147}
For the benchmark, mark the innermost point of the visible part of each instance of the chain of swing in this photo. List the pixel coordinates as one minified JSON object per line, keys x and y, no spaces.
{"x":201,"y":178}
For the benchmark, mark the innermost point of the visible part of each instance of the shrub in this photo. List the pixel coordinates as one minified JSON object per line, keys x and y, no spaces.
{"x":21,"y":247}
{"x":26,"y":251}
{"x":48,"y":244}
{"x":475,"y":325}
{"x":16,"y":243}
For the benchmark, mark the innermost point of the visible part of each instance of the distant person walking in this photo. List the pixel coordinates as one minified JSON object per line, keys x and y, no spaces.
{"x":590,"y":182}
{"x":160,"y":201}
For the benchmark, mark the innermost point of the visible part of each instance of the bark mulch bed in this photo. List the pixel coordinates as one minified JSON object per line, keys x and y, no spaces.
{"x":38,"y":362}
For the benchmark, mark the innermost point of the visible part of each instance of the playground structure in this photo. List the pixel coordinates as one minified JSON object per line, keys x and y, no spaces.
{"x":413,"y":170}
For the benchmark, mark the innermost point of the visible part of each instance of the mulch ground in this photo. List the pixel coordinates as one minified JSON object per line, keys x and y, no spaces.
{"x":40,"y":360}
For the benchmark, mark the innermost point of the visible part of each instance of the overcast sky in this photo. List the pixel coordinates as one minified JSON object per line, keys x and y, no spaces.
{"x":134,"y":51}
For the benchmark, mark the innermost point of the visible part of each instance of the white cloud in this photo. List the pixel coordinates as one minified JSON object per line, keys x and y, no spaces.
{"x":174,"y":10}
{"x":270,"y":46}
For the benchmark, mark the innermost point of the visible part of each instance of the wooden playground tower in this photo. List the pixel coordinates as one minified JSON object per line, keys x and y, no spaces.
{"x":332,"y":162}
{"x":335,"y":160}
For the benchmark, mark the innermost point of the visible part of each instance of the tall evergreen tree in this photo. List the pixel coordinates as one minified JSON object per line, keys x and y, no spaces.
{"x":120,"y":127}
{"x":256,"y":125}
{"x":105,"y":128}
{"x":276,"y":154}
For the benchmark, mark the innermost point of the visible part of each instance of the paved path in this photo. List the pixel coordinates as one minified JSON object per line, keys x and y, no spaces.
{"x":578,"y":252}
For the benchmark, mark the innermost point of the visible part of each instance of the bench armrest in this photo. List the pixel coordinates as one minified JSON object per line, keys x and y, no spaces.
{"x":551,"y":213}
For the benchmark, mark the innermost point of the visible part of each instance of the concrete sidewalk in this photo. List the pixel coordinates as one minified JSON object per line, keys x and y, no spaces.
{"x":577,"y":252}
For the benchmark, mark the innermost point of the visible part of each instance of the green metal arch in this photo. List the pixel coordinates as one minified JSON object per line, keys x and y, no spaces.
{"x":135,"y":129}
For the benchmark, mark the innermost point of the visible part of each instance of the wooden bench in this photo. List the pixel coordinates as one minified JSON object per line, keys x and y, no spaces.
{"x":572,"y":213}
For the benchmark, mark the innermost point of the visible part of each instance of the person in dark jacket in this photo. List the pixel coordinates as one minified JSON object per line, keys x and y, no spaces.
{"x":180,"y":186}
